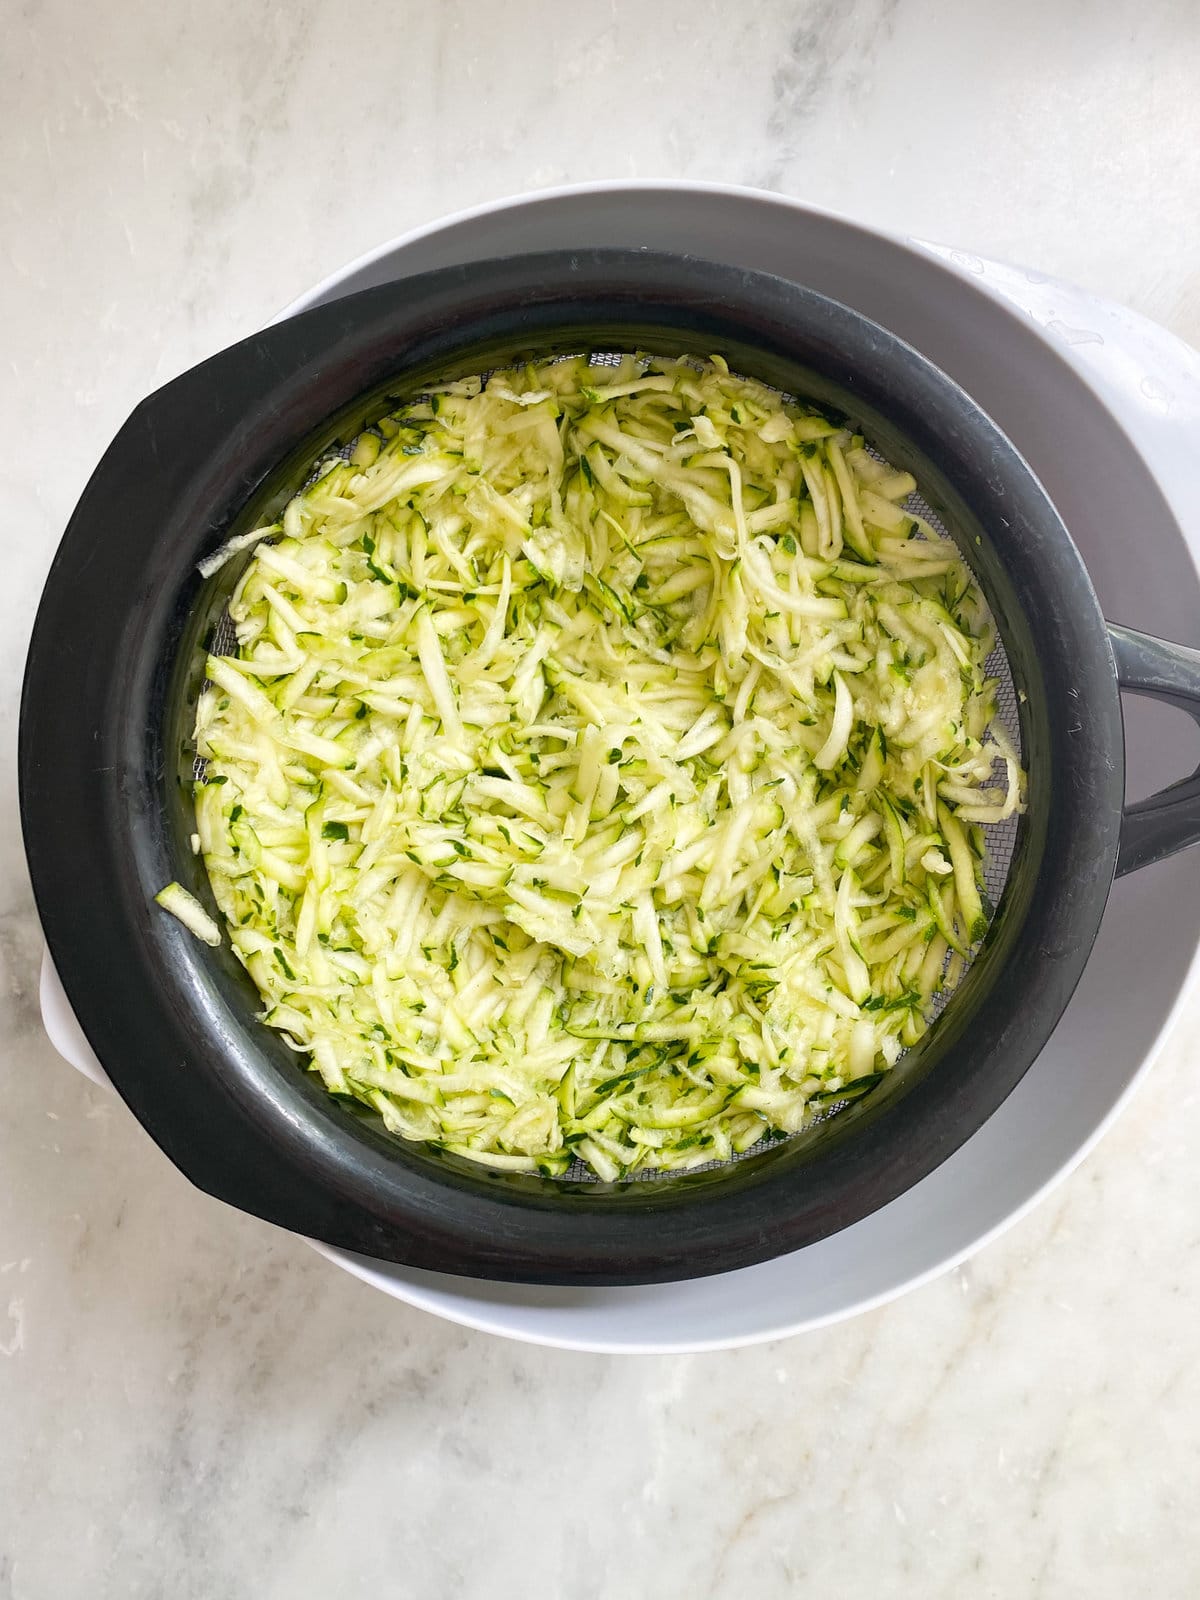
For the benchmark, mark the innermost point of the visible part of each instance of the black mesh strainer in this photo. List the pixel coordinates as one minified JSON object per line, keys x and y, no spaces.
{"x":107,"y":760}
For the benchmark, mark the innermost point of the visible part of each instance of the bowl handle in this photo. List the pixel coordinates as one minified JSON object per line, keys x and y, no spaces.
{"x":1162,"y":823}
{"x":63,"y":1030}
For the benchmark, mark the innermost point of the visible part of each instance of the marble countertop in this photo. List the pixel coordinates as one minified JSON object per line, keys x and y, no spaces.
{"x":195,"y":1406}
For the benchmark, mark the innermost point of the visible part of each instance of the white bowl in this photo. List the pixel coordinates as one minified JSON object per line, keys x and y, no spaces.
{"x":1101,"y":403}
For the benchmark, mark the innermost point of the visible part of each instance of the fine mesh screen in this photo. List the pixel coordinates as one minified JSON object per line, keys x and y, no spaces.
{"x":1001,"y":836}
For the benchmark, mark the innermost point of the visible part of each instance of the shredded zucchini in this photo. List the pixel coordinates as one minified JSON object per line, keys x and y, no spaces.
{"x":188,"y":910}
{"x":603,"y":767}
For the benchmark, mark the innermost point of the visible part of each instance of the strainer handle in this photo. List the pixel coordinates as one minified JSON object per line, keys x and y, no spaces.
{"x":1162,"y":823}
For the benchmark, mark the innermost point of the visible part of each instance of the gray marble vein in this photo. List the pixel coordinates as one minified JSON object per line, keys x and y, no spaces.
{"x":195,"y":1406}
